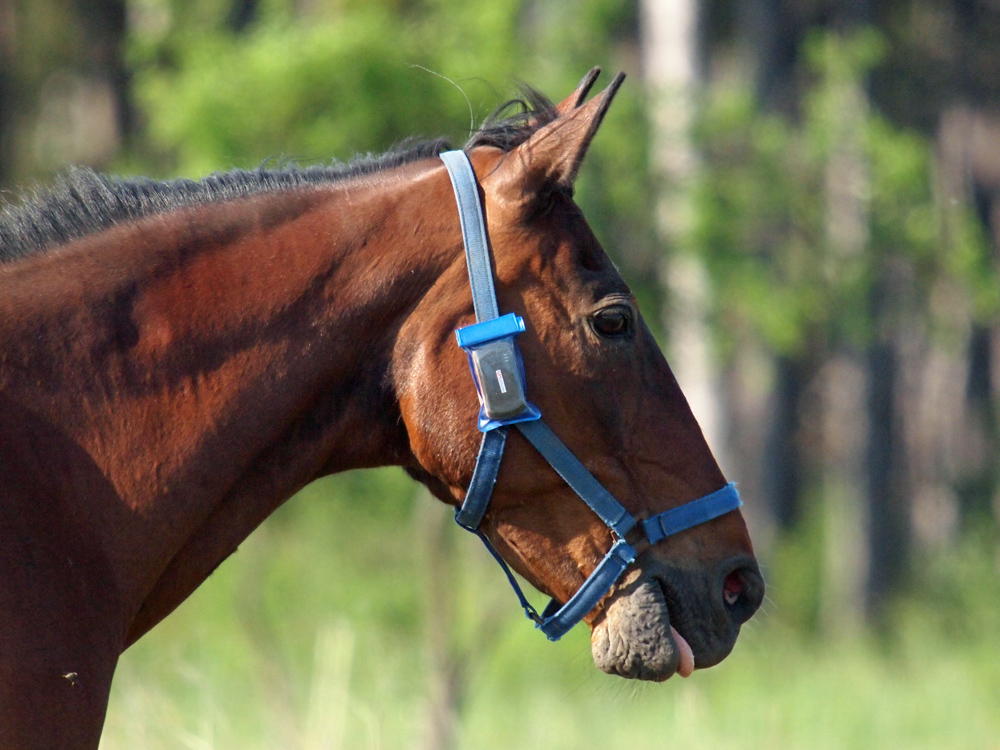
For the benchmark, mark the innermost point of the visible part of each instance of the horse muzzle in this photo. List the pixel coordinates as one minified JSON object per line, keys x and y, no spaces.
{"x":664,"y":619}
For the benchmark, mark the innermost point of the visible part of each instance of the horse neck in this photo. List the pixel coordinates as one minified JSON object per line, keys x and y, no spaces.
{"x":223,"y":356}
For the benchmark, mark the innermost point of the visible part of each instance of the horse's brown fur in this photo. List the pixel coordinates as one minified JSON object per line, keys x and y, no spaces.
{"x":166,"y":383}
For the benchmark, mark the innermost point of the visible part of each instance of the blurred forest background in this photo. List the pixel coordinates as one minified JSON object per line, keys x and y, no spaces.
{"x":805,"y":196}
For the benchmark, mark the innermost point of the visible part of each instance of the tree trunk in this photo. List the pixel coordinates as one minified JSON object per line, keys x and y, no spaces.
{"x":845,"y":378}
{"x":242,"y":13}
{"x":843,"y":382}
{"x":889,"y":531}
{"x":106,"y":25}
{"x":8,"y":90}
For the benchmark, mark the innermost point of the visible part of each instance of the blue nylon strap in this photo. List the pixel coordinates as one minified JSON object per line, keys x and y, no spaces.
{"x":477,"y":249}
{"x":691,"y":514}
{"x":477,"y":499}
{"x":556,"y":625}
{"x":530,"y":612}
{"x":484,"y":476}
{"x":575,"y":474}
{"x":557,"y":620}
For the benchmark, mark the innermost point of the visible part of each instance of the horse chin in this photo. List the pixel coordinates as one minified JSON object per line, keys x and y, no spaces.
{"x":635,"y":639}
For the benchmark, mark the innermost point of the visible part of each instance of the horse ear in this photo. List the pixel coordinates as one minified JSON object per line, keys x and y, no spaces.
{"x":551,"y":157}
{"x":575,"y":99}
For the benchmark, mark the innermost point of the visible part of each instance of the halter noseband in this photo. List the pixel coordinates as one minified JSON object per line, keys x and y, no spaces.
{"x":499,"y":375}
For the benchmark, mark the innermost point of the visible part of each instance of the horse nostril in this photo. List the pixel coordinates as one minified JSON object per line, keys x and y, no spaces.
{"x":742,"y":591}
{"x":732,"y":588}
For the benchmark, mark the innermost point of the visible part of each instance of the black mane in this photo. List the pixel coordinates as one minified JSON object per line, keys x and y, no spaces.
{"x":83,"y":202}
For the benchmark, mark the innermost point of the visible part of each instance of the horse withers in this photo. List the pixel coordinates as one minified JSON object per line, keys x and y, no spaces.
{"x":177,"y":359}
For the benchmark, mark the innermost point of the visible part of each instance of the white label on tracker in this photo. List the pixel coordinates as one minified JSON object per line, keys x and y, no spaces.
{"x":503,"y":386}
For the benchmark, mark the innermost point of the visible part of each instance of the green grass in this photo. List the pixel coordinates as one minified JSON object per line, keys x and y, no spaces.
{"x":316,"y":635}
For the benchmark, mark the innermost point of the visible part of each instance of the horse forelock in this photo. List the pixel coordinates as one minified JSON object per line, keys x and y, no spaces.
{"x":83,"y":201}
{"x":515,"y":121}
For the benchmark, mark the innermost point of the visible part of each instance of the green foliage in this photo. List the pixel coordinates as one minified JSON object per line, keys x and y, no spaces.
{"x":795,"y":574}
{"x":957,"y":592}
{"x":787,"y":262}
{"x":336,"y":84}
{"x":759,"y":244}
{"x":307,"y":92}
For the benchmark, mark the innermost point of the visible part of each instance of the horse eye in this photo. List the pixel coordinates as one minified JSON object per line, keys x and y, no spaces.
{"x":613,"y":322}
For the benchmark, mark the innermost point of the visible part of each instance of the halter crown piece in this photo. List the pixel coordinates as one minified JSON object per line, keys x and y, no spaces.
{"x":499,"y":376}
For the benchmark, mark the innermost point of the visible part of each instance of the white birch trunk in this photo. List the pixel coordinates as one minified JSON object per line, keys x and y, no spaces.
{"x":844,"y":379}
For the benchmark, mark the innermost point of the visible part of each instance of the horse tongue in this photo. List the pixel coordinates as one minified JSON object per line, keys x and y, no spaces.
{"x":686,"y":667}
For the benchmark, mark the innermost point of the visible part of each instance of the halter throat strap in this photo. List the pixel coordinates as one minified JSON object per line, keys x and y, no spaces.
{"x":556,"y":619}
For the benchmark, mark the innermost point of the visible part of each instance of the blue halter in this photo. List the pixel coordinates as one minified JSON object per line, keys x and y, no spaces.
{"x":499,"y":376}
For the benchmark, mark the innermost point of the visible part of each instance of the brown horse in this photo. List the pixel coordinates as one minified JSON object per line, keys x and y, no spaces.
{"x":177,"y":359}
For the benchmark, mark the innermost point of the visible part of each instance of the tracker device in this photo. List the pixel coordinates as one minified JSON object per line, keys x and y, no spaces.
{"x":498,"y":371}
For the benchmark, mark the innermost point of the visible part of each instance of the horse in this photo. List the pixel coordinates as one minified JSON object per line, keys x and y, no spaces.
{"x":178,"y":358}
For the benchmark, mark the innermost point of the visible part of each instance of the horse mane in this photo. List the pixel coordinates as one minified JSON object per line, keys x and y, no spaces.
{"x":83,"y":201}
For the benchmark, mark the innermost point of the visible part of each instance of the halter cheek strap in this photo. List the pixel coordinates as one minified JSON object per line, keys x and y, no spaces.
{"x":490,"y":343}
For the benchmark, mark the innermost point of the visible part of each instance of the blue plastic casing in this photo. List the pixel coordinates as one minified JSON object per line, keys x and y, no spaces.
{"x":498,"y":371}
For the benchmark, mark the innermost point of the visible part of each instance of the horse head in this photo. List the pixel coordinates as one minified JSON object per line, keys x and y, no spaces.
{"x":603,"y":385}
